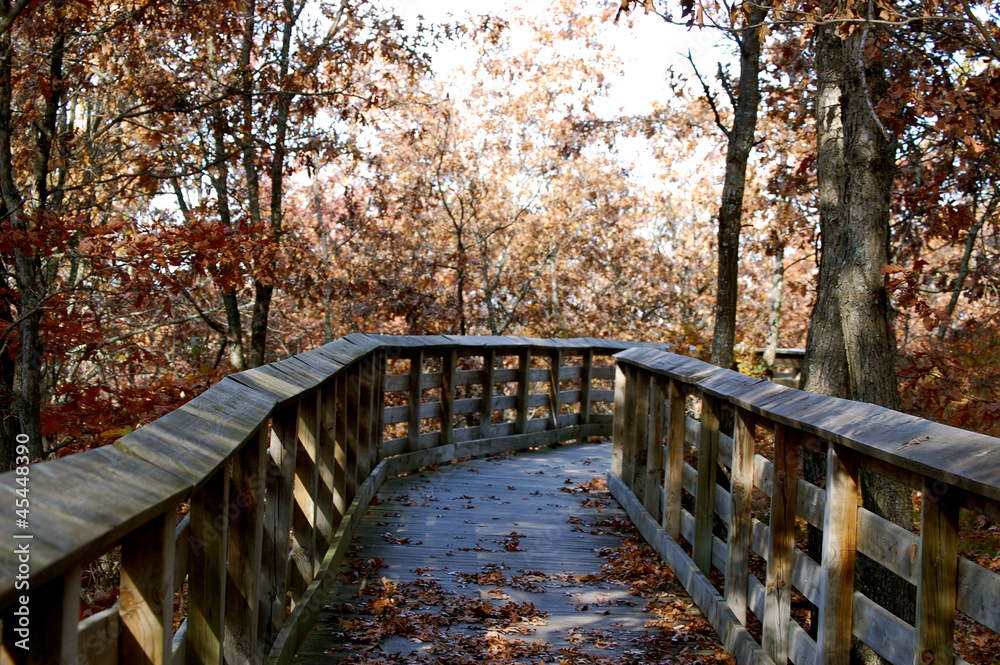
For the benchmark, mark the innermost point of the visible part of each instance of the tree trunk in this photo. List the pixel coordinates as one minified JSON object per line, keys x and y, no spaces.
{"x":774,"y":315}
{"x":869,"y":159}
{"x":824,"y":367}
{"x":741,"y":140}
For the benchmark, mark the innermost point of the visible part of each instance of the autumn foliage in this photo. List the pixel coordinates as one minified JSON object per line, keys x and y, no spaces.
{"x":192,"y":190}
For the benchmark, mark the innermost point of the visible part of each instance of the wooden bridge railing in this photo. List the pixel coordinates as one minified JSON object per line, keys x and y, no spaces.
{"x":704,"y":529}
{"x":228,"y":515}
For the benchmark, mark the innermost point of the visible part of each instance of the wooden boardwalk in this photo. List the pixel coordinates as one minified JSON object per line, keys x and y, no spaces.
{"x":522,"y":558}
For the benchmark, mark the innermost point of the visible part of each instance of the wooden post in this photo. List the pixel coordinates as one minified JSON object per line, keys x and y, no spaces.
{"x":586,"y":381}
{"x":413,"y":402}
{"x":629,"y":424}
{"x":555,"y":362}
{"x":486,"y":408}
{"x":246,"y":536}
{"x":449,"y":362}
{"x":147,"y":586}
{"x":53,"y":612}
{"x":708,"y":462}
{"x":639,"y":451}
{"x":654,"y":445}
{"x":938,"y":555}
{"x":207,"y":541}
{"x":618,"y":431}
{"x":778,"y":598}
{"x":343,"y":492}
{"x":304,"y":559}
{"x":277,"y":525}
{"x":673,"y":481}
{"x":327,"y":517}
{"x":350,"y":412}
{"x":523,"y":390}
{"x":740,"y":525}
{"x":840,"y":539}
{"x":378,"y":428}
{"x":366,"y":417}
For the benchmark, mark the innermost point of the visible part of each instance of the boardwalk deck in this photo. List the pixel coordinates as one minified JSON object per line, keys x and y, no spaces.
{"x":496,"y":560}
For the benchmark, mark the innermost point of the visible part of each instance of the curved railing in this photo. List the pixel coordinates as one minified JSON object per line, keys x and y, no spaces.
{"x":677,"y":501}
{"x":228,"y":515}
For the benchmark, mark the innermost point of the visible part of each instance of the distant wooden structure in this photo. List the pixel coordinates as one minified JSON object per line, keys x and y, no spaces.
{"x":787,"y":368}
{"x":272,"y":467}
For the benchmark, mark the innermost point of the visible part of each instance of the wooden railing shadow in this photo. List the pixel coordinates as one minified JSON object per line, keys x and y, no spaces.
{"x":678,"y":507}
{"x":239,"y":504}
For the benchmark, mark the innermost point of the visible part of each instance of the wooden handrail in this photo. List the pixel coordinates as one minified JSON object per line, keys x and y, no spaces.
{"x":273,"y":467}
{"x":953,"y":469}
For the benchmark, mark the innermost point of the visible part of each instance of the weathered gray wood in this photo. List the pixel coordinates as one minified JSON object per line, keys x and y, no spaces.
{"x":740,"y":526}
{"x":449,"y":363}
{"x":207,"y":538}
{"x":708,"y":456}
{"x":936,"y":600}
{"x":523,"y":389}
{"x":147,"y":599}
{"x":641,"y":445}
{"x":246,"y":538}
{"x":274,"y":571}
{"x":367,"y":416}
{"x":654,"y":446}
{"x":587,"y":381}
{"x":304,"y":556}
{"x":50,"y":623}
{"x":618,"y":436}
{"x":414,"y":400}
{"x":890,"y":636}
{"x":777,"y":610}
{"x":840,"y":535}
{"x":327,"y":515}
{"x":555,"y":362}
{"x":629,"y":444}
{"x":674,"y":477}
{"x":97,"y":637}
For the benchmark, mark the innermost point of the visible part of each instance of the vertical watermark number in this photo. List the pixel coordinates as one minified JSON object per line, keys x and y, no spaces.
{"x":22,"y":541}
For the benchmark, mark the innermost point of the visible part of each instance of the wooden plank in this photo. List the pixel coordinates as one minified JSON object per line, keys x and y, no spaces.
{"x":304,"y":557}
{"x":414,"y":401}
{"x":629,"y":419}
{"x":708,"y":455}
{"x":486,"y":403}
{"x":378,"y":406}
{"x":587,"y":381}
{"x":147,"y":598}
{"x":43,"y":630}
{"x":618,"y":435}
{"x":654,"y":445}
{"x":674,"y":476}
{"x":348,"y":406}
{"x":740,"y":525}
{"x":523,"y":368}
{"x":642,"y":414}
{"x":840,"y":536}
{"x":936,"y":600}
{"x":555,"y":362}
{"x":777,"y":609}
{"x":449,"y":363}
{"x":209,"y":532}
{"x":397,"y":383}
{"x":368,"y":440}
{"x":890,"y":637}
{"x":342,"y":487}
{"x":979,"y":594}
{"x":274,"y":572}
{"x":97,"y":637}
{"x":327,"y":516}
{"x":246,"y":538}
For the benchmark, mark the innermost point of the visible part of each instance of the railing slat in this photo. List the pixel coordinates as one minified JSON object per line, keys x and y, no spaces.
{"x":486,"y":402}
{"x":673,"y":480}
{"x":49,"y":624}
{"x":523,"y":389}
{"x":555,"y":362}
{"x":147,"y":597}
{"x":207,"y":569}
{"x":586,"y":383}
{"x":708,"y":457}
{"x":654,"y":445}
{"x":642,"y":430}
{"x":414,"y":399}
{"x":936,"y":599}
{"x":740,"y":524}
{"x":304,"y":559}
{"x":778,"y":603}
{"x":246,"y":538}
{"x":275,"y":562}
{"x":327,"y":516}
